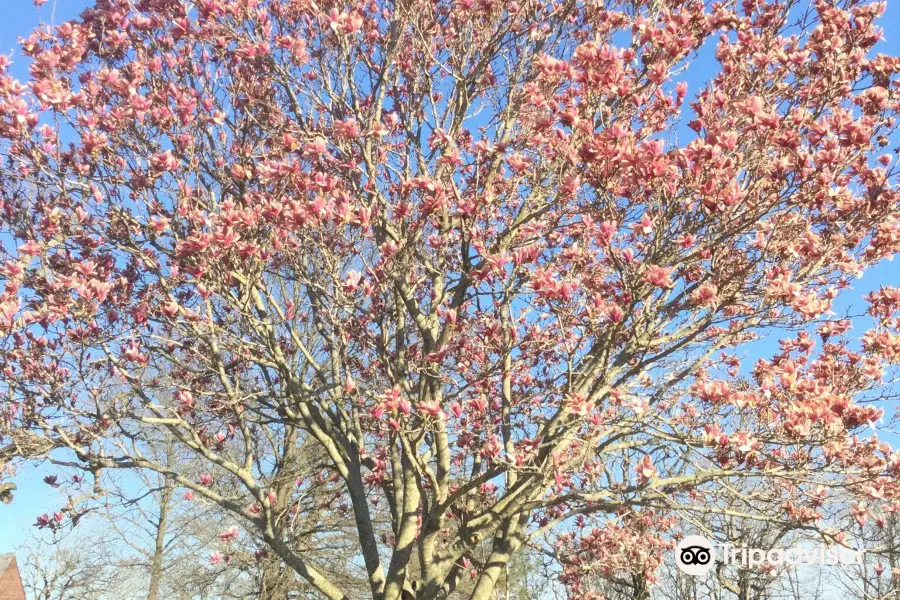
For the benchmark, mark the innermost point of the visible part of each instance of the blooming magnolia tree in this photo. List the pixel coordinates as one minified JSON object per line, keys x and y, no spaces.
{"x":494,"y":262}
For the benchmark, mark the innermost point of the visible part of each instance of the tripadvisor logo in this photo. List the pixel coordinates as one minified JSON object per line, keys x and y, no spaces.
{"x":695,"y":555}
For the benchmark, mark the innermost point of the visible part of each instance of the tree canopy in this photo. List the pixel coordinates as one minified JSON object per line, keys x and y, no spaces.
{"x":452,"y":279}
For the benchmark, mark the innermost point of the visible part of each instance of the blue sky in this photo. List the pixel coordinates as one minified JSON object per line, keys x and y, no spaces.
{"x":19,"y":17}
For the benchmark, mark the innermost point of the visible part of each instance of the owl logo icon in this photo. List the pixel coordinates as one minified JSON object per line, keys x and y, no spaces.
{"x":695,"y":555}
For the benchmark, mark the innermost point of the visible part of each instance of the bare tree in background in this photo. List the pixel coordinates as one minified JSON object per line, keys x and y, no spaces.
{"x":878,"y":576}
{"x":74,"y":571}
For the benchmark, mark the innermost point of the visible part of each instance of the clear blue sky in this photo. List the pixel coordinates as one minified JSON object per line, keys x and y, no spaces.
{"x":19,"y":17}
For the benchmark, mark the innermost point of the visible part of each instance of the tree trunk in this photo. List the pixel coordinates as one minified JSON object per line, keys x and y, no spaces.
{"x":276,"y":581}
{"x":159,"y":548}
